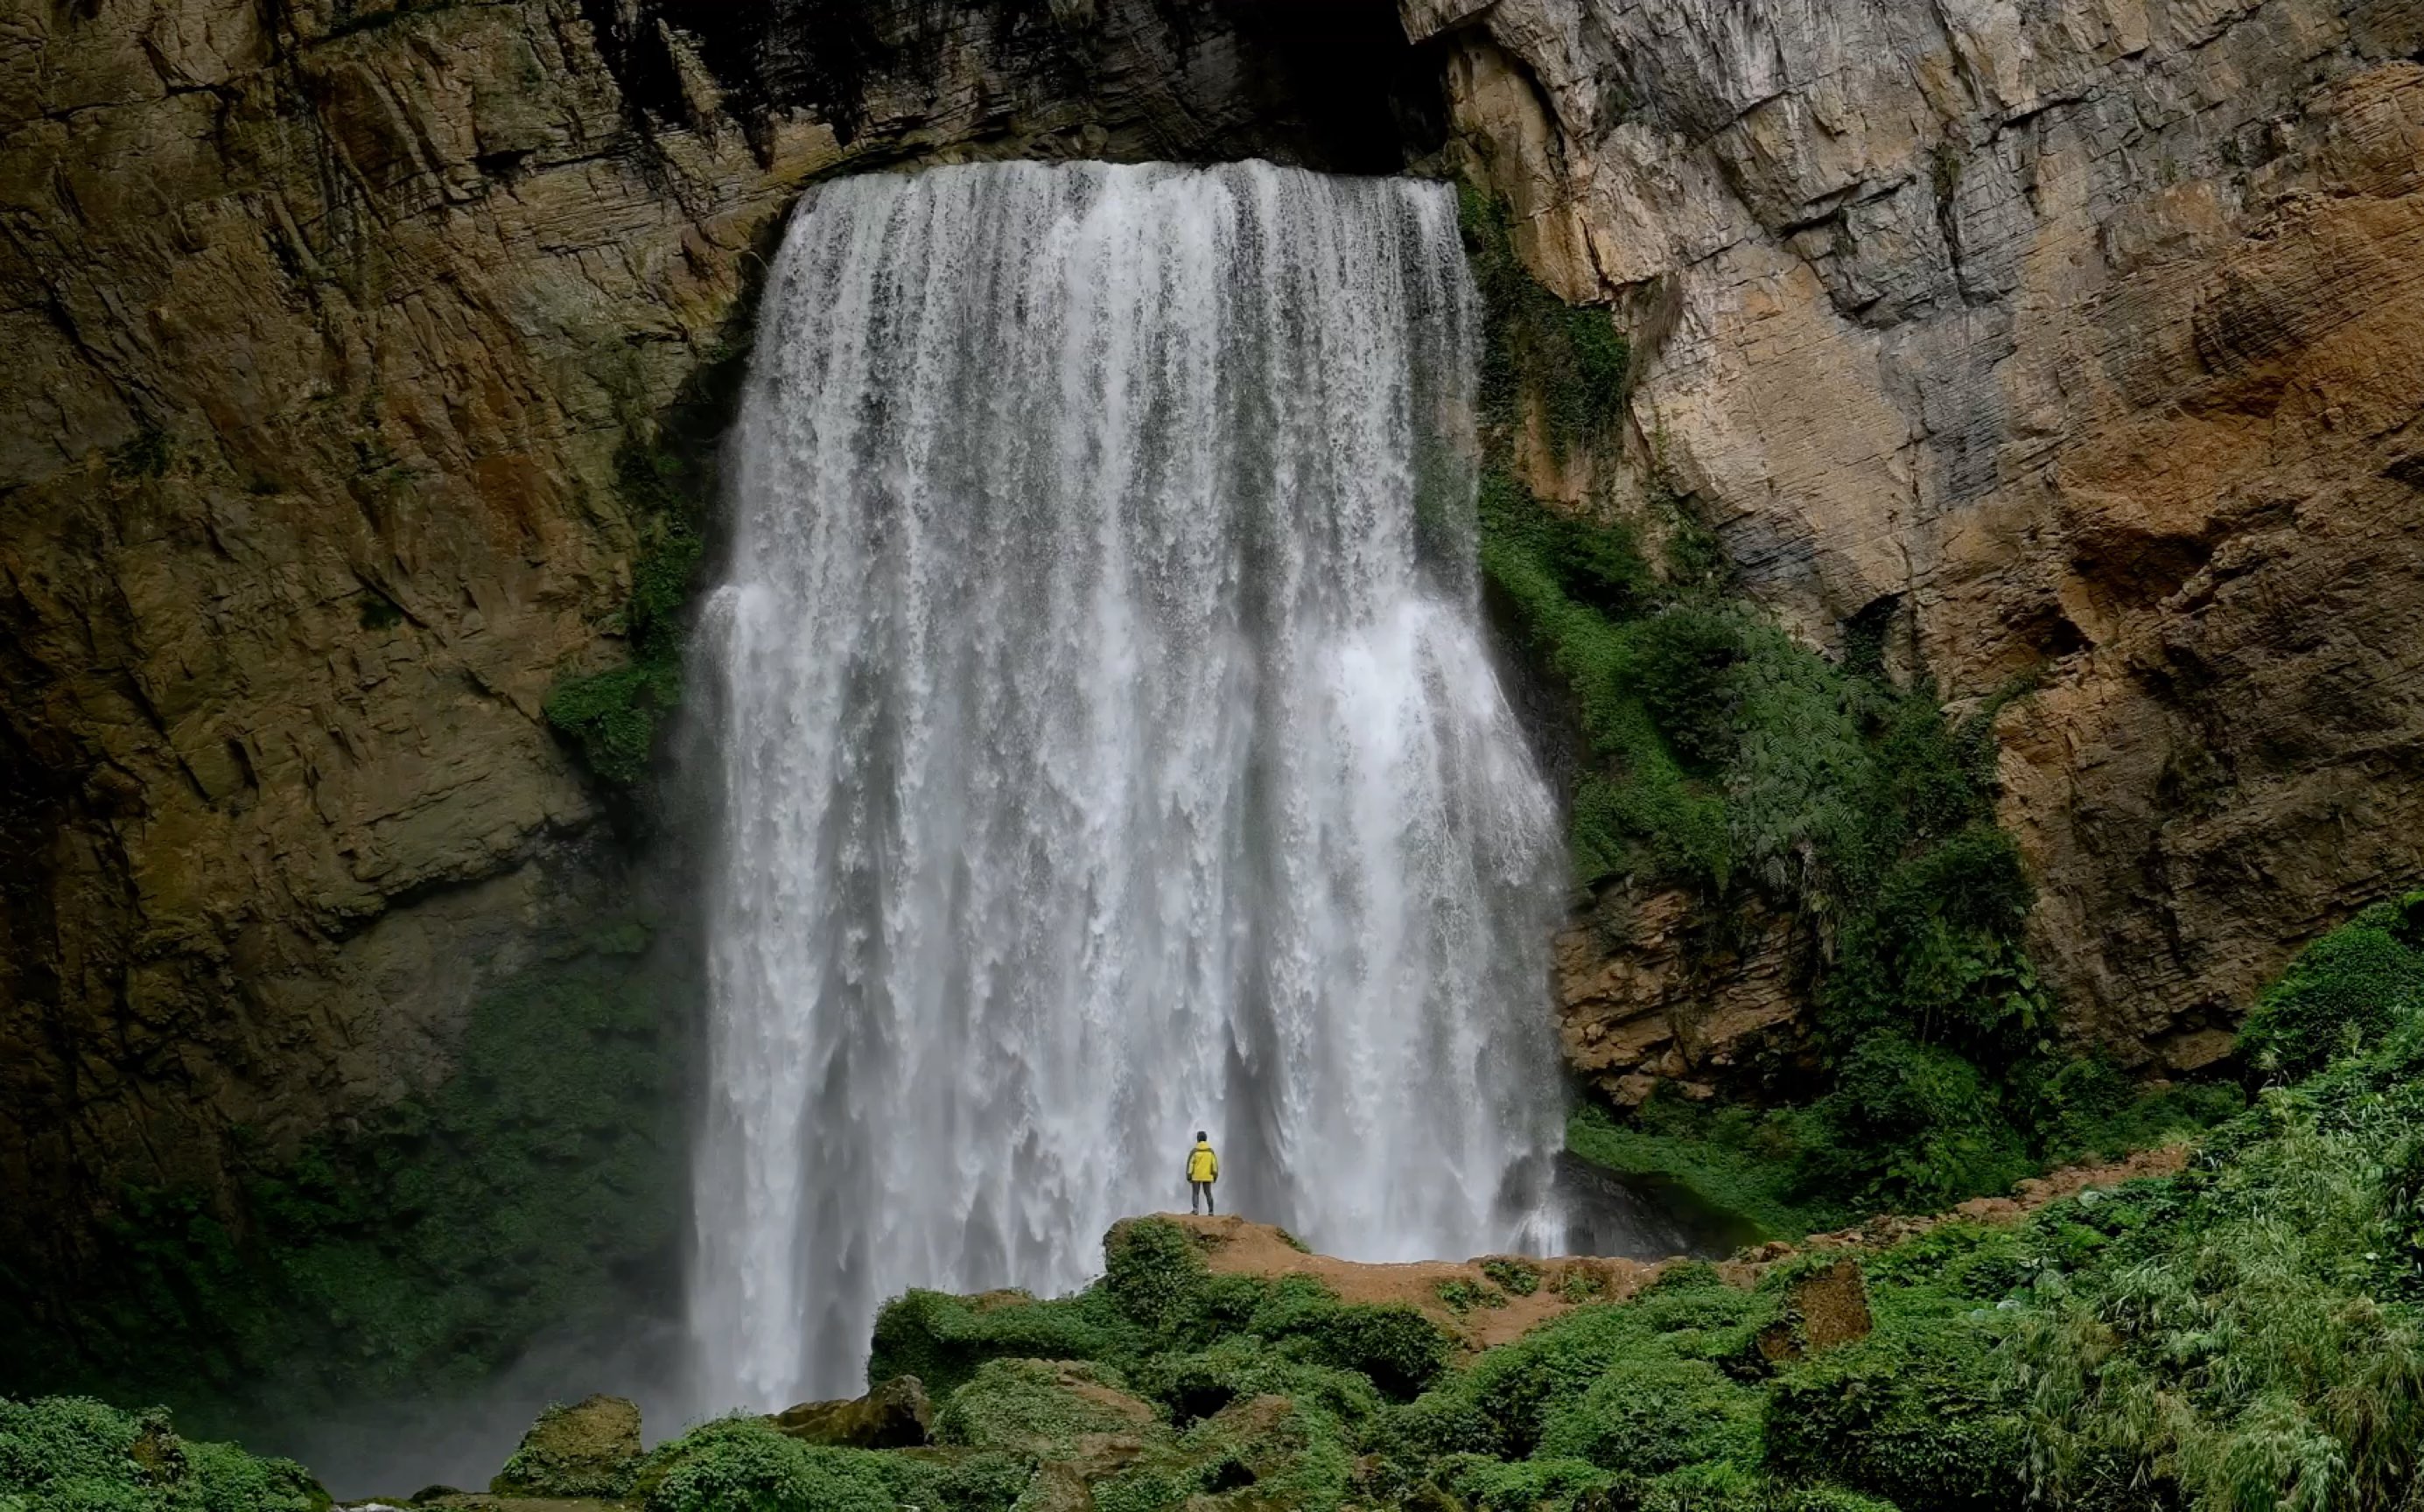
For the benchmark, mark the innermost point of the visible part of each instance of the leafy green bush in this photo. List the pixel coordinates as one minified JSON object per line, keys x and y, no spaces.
{"x":1914,"y":1413}
{"x":1910,"y":1127}
{"x":76,"y":1455}
{"x":1400,"y":1350}
{"x":1512,"y":1274}
{"x":1647,"y":1414}
{"x":744,"y":1465}
{"x":1152,"y":1271}
{"x":943,"y":1340}
{"x":1525,"y":1486}
{"x":2343,"y":993}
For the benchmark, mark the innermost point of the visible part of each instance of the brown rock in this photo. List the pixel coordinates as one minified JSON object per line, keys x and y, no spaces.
{"x":2080,"y":338}
{"x":1649,"y":993}
{"x":894,"y":1416}
{"x":1822,"y":1309}
{"x":587,"y":1449}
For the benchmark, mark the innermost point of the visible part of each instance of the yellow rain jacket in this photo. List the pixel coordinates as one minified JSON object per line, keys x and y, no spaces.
{"x":1201,"y":1164}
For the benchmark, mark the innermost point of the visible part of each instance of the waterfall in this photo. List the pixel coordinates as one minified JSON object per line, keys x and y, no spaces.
{"x":1109,"y":749}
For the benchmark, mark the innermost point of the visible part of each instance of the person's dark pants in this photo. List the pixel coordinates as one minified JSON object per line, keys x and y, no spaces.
{"x":1204,"y":1190}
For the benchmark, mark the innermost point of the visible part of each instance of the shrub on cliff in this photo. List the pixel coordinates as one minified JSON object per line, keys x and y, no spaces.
{"x":2342,"y":994}
{"x":733,"y":1469}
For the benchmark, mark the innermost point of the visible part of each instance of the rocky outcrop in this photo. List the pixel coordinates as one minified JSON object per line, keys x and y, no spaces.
{"x":1649,"y":993}
{"x":327,"y":323}
{"x":2075,"y":340}
{"x":895,"y":1414}
{"x":587,"y":1449}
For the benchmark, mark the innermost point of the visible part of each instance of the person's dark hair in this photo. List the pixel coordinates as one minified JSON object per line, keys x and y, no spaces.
{"x":1201,"y":1134}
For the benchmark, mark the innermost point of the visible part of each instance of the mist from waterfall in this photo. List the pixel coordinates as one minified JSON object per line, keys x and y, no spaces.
{"x":1109,"y":749}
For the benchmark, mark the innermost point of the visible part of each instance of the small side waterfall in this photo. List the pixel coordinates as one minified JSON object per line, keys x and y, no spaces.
{"x":1109,"y":749}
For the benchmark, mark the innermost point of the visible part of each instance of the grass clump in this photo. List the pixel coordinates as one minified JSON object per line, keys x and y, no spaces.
{"x":1512,"y":1274}
{"x":1462,"y":1296}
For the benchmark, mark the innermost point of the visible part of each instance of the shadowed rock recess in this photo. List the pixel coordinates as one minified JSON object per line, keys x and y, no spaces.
{"x":365,"y":367}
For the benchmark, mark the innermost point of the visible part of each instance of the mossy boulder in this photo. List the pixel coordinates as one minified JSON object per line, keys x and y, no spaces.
{"x":894,"y":1416}
{"x":590,"y":1448}
{"x":1050,"y":1408}
{"x":1822,"y":1307}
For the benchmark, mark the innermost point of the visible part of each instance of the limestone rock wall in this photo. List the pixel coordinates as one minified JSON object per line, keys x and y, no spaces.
{"x":2085,"y":338}
{"x":323,"y":321}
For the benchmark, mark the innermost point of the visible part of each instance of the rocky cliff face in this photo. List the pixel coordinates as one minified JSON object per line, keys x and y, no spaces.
{"x":2075,"y":340}
{"x":326,"y":324}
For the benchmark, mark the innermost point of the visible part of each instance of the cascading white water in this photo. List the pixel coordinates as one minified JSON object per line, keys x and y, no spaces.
{"x":1109,"y":750}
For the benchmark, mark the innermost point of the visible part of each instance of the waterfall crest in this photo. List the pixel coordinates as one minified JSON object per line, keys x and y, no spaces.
{"x":1109,"y":749}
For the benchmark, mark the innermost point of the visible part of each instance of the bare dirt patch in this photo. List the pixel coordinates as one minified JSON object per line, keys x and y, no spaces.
{"x":1232,"y":1246}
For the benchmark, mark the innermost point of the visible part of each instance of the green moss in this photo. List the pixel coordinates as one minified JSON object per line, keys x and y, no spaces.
{"x":665,"y":474}
{"x":76,"y":1455}
{"x":1571,"y":362}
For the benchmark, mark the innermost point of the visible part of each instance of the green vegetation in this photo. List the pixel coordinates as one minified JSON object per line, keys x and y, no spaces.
{"x":2347,"y":991}
{"x":1512,"y":1274}
{"x":1723,"y":757}
{"x":146,"y":455}
{"x":537,"y":1187}
{"x":1572,"y":363}
{"x":664,"y":475}
{"x":2246,"y":1336}
{"x":69,"y":1454}
{"x":1462,"y":1296}
{"x":612,"y":717}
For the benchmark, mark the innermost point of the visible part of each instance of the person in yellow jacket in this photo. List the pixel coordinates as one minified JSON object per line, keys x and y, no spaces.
{"x":1203,"y":1170}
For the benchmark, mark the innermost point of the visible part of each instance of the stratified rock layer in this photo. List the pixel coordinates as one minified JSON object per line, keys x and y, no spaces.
{"x":2080,"y":338}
